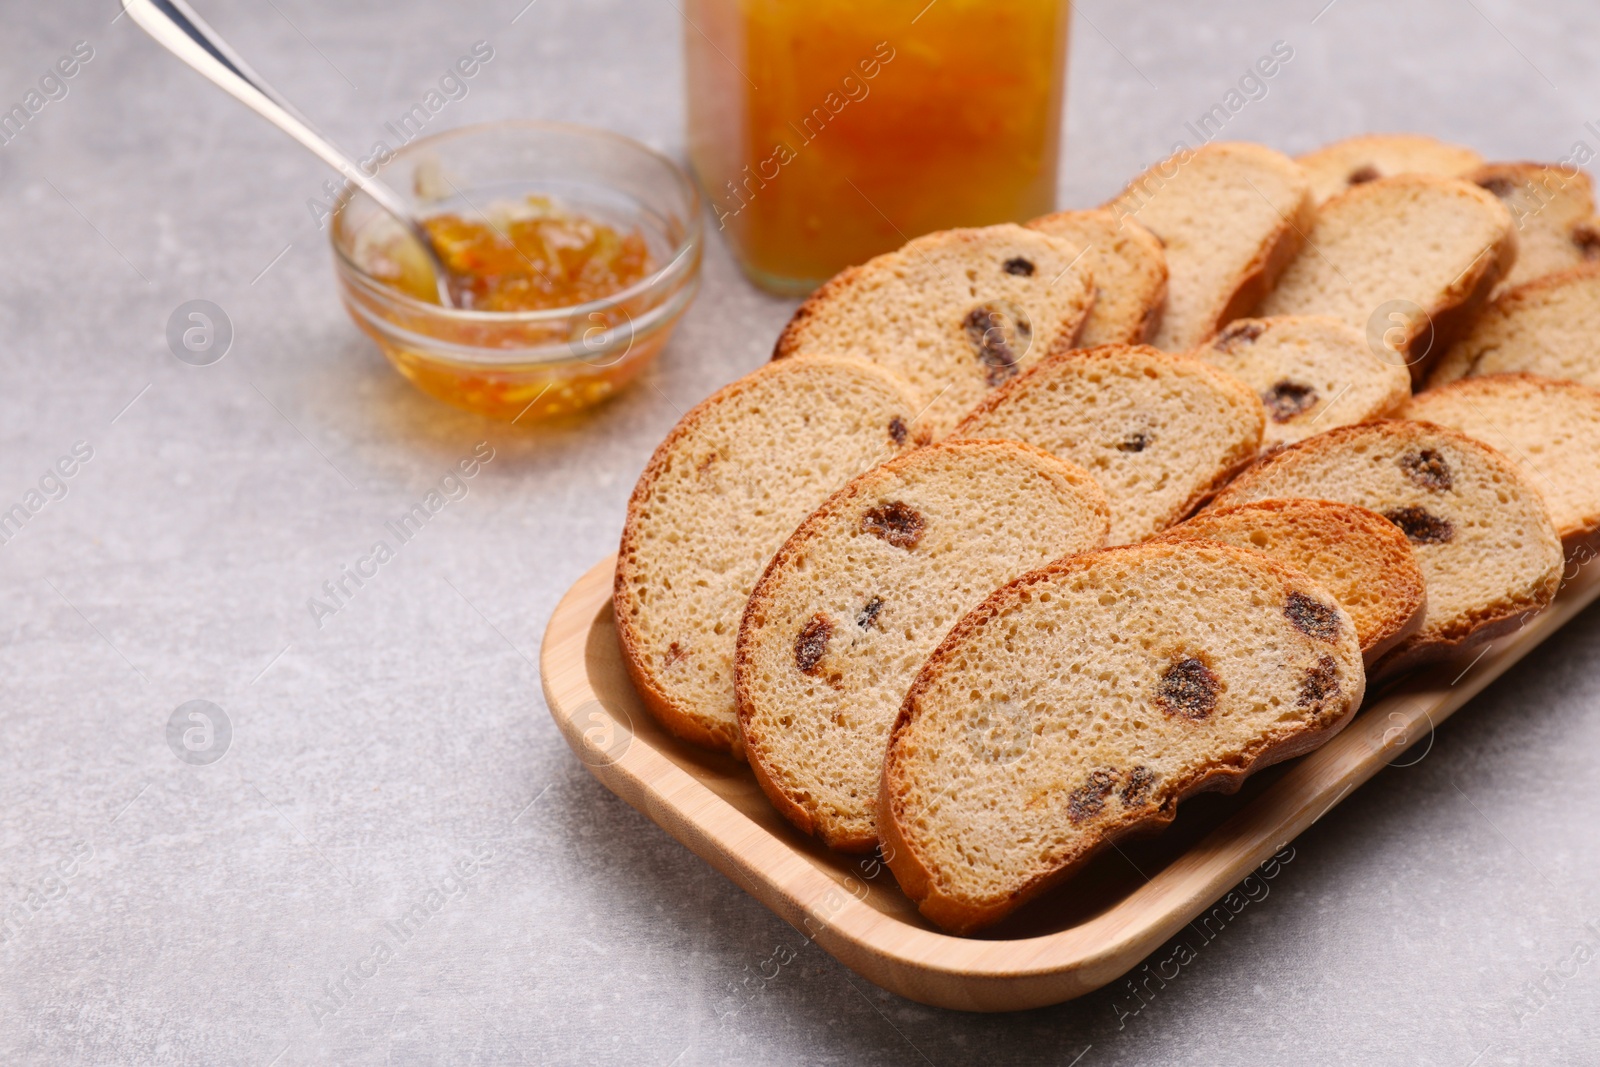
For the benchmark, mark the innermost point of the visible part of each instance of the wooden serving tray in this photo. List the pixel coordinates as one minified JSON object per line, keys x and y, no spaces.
{"x":1098,"y":926}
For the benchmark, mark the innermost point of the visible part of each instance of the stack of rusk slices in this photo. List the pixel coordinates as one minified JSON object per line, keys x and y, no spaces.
{"x":1027,"y":533}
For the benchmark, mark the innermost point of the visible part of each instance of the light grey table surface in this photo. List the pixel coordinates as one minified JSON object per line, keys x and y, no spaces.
{"x":159,"y":912}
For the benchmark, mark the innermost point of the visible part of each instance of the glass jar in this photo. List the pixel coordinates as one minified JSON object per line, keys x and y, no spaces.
{"x":824,"y":132}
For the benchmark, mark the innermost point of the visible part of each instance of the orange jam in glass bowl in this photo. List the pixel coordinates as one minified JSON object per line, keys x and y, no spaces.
{"x":574,"y":252}
{"x":530,"y":255}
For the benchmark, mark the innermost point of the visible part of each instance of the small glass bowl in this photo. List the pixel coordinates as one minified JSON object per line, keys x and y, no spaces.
{"x":523,"y":366}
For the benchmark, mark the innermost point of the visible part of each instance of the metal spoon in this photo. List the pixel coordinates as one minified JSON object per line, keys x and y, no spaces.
{"x":185,"y":34}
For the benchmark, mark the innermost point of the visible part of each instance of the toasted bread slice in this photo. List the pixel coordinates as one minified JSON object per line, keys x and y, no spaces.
{"x":1489,"y":553}
{"x":1231,"y":216}
{"x":1552,"y":206}
{"x":1546,"y":327}
{"x":1357,"y":555}
{"x":1355,"y":161}
{"x":861,"y":593}
{"x":730,"y":482}
{"x":1130,"y":274}
{"x":1159,"y":431}
{"x":1083,"y":701}
{"x":955,"y":314}
{"x":1549,"y":429}
{"x":1407,"y":259}
{"x":1312,"y":372}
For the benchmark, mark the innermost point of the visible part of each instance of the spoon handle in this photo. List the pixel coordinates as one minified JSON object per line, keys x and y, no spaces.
{"x":176,"y":26}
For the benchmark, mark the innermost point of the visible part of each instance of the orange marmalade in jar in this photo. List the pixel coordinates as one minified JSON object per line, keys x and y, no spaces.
{"x":825,"y":132}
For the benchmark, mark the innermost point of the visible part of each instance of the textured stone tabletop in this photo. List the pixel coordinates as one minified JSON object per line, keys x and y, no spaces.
{"x":158,"y":911}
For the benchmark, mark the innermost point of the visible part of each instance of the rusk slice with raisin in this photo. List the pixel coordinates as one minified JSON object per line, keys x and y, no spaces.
{"x":861,"y":593}
{"x":954,"y":313}
{"x":1130,"y":274}
{"x":1357,"y":160}
{"x":1159,"y":431}
{"x":729,"y":483}
{"x":1489,"y":553}
{"x":1546,"y":327}
{"x":1408,"y":259}
{"x":1357,"y":555}
{"x":1312,"y":372}
{"x":1549,"y":429}
{"x":1231,"y":216}
{"x":1552,"y":206}
{"x":1083,"y":701}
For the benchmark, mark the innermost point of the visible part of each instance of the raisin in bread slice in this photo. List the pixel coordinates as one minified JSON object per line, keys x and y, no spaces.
{"x":1312,"y":372}
{"x":1159,"y":431}
{"x":1130,"y":274}
{"x":861,"y":593}
{"x":954,"y":313}
{"x":1355,"y":554}
{"x":1546,"y":327}
{"x":1549,"y":429}
{"x":1586,"y":235}
{"x":1407,"y":259}
{"x":1029,"y":741}
{"x":1357,"y":160}
{"x":1231,"y":217}
{"x":729,"y":483}
{"x":1489,"y":553}
{"x":1552,"y":206}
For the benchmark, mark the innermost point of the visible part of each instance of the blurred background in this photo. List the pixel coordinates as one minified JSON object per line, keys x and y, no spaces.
{"x":163,"y":911}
